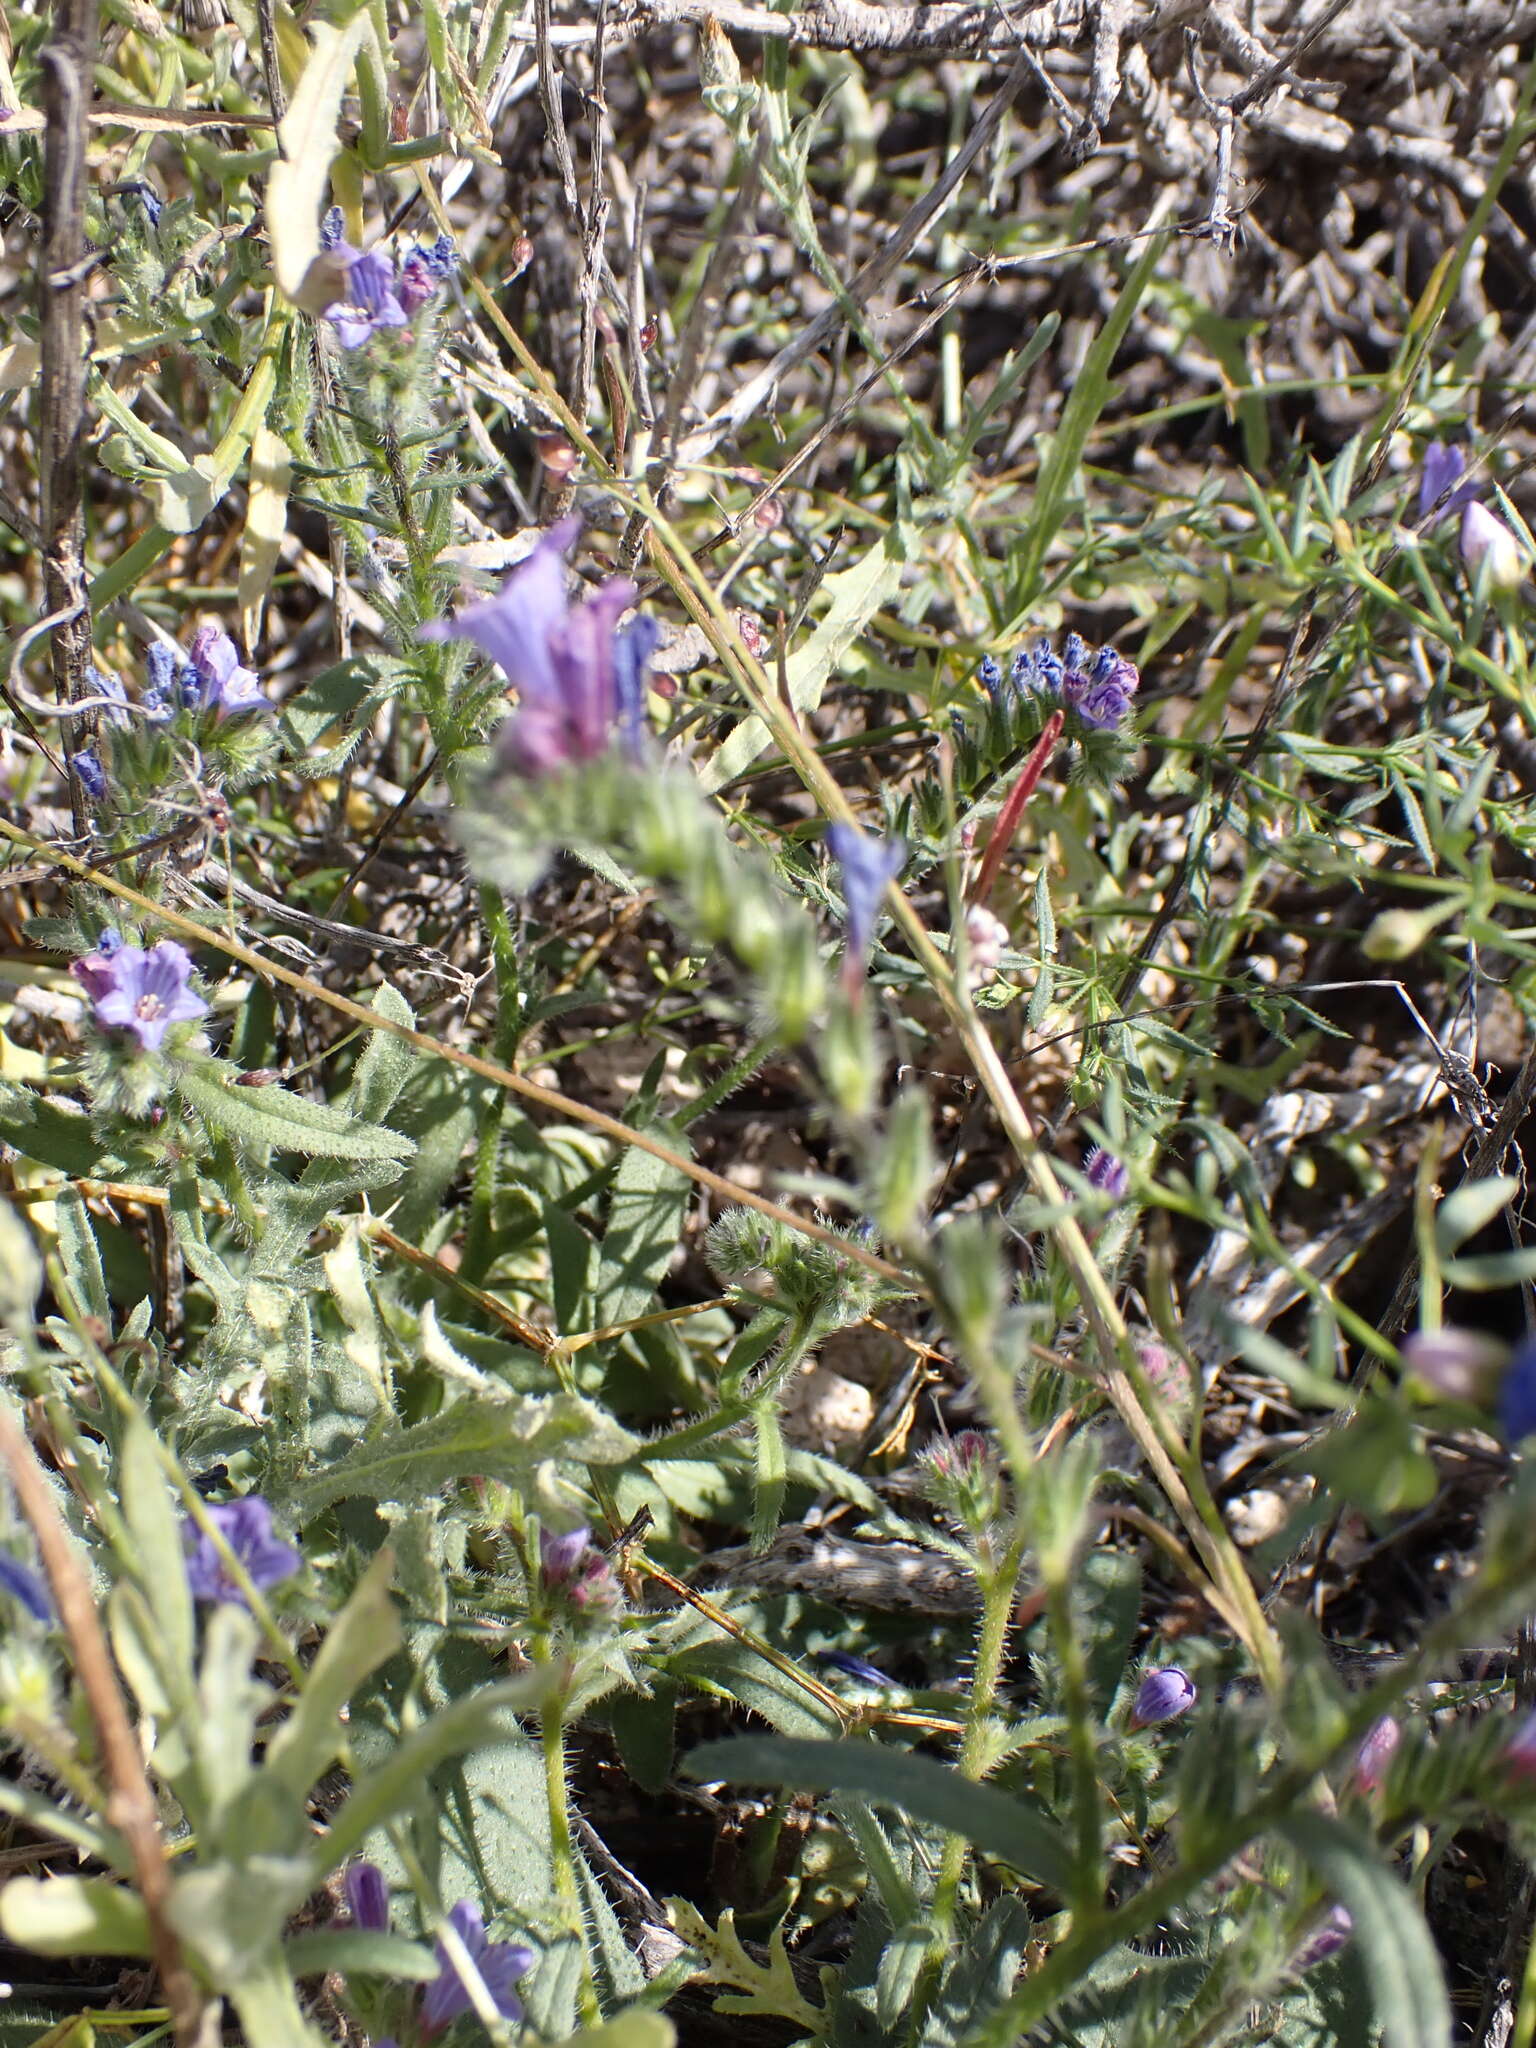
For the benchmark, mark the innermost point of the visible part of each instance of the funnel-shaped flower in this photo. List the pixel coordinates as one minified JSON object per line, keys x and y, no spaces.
{"x":372,"y":301}
{"x":499,"y":1963}
{"x":572,"y":671}
{"x":141,"y":993}
{"x":246,"y":1526}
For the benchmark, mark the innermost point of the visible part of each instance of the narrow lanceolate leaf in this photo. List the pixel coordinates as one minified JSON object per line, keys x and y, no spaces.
{"x":266,"y":522}
{"x":502,"y":1440}
{"x":296,"y":184}
{"x":1394,"y":1943}
{"x":999,"y":1822}
{"x":273,"y":1118}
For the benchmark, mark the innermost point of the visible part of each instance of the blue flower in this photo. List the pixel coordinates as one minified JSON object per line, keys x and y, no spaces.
{"x":332,"y":227}
{"x":1103,"y":706}
{"x":854,"y":1667}
{"x":990,"y":677}
{"x":1444,"y":466}
{"x":25,"y":1586}
{"x":567,"y":662}
{"x":246,"y":1526}
{"x":372,"y":301}
{"x":499,"y":1963}
{"x":867,"y":866}
{"x":1517,"y":1392}
{"x":213,"y":679}
{"x":1038,"y":668}
{"x":90,"y":774}
{"x":633,"y":646}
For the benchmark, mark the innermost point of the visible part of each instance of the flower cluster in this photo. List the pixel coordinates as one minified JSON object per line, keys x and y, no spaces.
{"x":246,"y":1526}
{"x":1485,"y":543}
{"x":577,"y":675}
{"x":209,"y":678}
{"x":499,"y":1964}
{"x":576,"y":1574}
{"x":1098,"y":684}
{"x":141,"y":993}
{"x":377,"y":294}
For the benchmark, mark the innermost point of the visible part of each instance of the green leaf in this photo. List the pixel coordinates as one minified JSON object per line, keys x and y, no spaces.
{"x":21,"y":1274}
{"x":857,"y":593}
{"x":74,"y":1916}
{"x":768,"y":1988}
{"x":1090,"y":393}
{"x":1394,"y":1943}
{"x":999,"y":1822}
{"x":646,"y":1208}
{"x":42,"y":1131}
{"x":363,"y":1635}
{"x":1462,"y":1214}
{"x":296,"y":183}
{"x":158,"y":1562}
{"x":82,"y":1255}
{"x":358,"y":1951}
{"x":1491,"y":1271}
{"x":272,"y":1117}
{"x":629,"y":2030}
{"x":505,"y":1440}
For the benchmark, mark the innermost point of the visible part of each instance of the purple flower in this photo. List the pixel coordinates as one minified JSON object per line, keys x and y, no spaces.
{"x":1106,"y":1174}
{"x":1483,"y":538}
{"x":418,"y":287}
{"x":577,"y":1572}
{"x":867,"y":866}
{"x":1163,"y":1695}
{"x":633,"y":646}
{"x":1464,"y":1365}
{"x":142,"y":993}
{"x":500,"y":1964}
{"x":332,"y":227}
{"x":367,"y":1897}
{"x":213,"y":679}
{"x":90,"y":774}
{"x":109,"y":684}
{"x":560,"y":1557}
{"x":246,"y":1526}
{"x":25,"y":1586}
{"x":1327,"y":1941}
{"x":1517,"y":1392}
{"x":564,"y":660}
{"x":1376,"y":1753}
{"x":1103,"y":706}
{"x":371,"y":302}
{"x":1444,"y":465}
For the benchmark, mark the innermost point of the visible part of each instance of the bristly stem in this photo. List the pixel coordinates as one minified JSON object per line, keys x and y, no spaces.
{"x":68,"y":61}
{"x":1013,"y":808}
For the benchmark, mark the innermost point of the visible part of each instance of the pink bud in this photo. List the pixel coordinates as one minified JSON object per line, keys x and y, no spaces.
{"x":1375,"y":1753}
{"x":1488,"y":547}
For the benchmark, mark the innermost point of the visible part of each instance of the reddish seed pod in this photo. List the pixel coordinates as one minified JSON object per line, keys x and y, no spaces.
{"x":399,"y":122}
{"x":258,"y":1077}
{"x":768,"y":515}
{"x":648,"y":334}
{"x":749,"y":626}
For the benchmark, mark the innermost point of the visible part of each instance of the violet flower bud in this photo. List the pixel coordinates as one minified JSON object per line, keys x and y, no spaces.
{"x":1106,"y":1174}
{"x":1464,"y":1365}
{"x":367,"y":1897}
{"x":1327,"y":1941}
{"x":1163,"y":1695}
{"x":1376,"y":1753}
{"x":1517,"y":1393}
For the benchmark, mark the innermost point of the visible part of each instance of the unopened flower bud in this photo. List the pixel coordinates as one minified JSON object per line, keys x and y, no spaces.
{"x":1464,"y":1365}
{"x":1163,"y":1695}
{"x":1489,"y":549}
{"x":1327,"y":1941}
{"x":1106,"y":1174}
{"x":1376,"y":1753}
